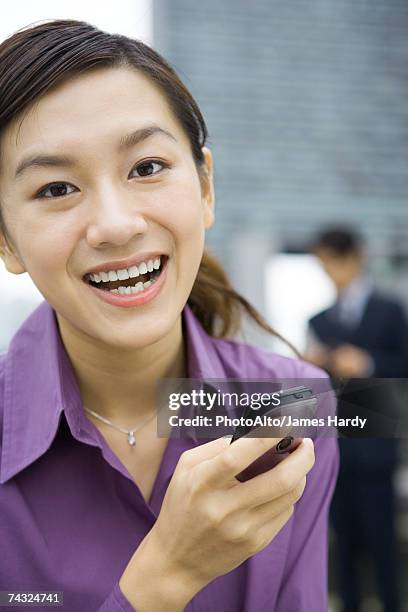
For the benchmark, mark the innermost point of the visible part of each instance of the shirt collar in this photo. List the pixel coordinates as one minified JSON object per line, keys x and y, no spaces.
{"x":40,"y":385}
{"x":356,"y":291}
{"x":353,"y":300}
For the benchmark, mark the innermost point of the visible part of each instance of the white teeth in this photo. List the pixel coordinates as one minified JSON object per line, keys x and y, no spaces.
{"x":132,"y":290}
{"x":133,"y":272}
{"x":123,"y":274}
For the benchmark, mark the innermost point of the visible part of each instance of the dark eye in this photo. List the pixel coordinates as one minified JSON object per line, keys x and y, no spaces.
{"x":56,"y":190}
{"x":149,"y":167}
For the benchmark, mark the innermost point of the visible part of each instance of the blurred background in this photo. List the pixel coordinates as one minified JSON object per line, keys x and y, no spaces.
{"x":306,"y":108}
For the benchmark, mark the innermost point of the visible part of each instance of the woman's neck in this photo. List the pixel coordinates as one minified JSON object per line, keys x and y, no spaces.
{"x":121,"y":384}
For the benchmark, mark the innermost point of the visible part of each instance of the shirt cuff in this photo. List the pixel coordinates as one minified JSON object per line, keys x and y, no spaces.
{"x":116,"y":602}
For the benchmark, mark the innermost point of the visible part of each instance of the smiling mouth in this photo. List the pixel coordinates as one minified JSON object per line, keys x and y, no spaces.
{"x":138,"y":279}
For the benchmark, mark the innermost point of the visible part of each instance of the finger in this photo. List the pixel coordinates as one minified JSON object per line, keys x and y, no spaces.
{"x":226,"y":465}
{"x":278,"y":481}
{"x":204,"y":452}
{"x":266,"y":512}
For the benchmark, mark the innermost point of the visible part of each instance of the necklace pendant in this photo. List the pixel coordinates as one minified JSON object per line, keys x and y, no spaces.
{"x":131,"y":438}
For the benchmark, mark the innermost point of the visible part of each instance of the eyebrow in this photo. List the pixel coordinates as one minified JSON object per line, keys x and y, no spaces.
{"x":63,"y":161}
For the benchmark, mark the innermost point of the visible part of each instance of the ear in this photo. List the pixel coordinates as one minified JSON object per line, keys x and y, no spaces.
{"x":11,"y":260}
{"x":207,"y":188}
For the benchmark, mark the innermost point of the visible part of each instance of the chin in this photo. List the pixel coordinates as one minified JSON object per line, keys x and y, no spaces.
{"x":136,"y":336}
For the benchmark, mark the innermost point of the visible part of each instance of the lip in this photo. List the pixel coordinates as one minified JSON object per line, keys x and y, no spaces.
{"x":137,"y":299}
{"x":120,"y":264}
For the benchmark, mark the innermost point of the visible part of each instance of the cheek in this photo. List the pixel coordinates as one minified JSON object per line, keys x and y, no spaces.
{"x":180,"y":210}
{"x":182,"y":215}
{"x":45,"y":245}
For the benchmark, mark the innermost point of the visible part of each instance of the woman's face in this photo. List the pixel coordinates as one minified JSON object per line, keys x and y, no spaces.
{"x":114,"y":183}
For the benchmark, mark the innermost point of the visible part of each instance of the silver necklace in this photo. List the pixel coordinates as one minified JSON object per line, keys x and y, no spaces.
{"x":129,"y":432}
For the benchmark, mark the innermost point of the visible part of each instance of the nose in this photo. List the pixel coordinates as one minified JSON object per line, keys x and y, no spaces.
{"x":115,"y":218}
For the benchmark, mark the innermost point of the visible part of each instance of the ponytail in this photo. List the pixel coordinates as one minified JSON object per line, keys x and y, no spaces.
{"x":218,"y":306}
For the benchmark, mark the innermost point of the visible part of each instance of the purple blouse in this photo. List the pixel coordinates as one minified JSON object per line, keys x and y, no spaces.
{"x":72,"y":516}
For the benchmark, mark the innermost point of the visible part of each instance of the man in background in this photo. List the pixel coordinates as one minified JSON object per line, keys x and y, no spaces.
{"x":363,"y":334}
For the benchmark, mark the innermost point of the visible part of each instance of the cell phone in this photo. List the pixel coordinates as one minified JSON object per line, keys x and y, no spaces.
{"x":289,"y":398}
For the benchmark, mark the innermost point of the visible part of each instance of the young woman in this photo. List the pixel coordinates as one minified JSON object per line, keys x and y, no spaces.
{"x":106,"y":194}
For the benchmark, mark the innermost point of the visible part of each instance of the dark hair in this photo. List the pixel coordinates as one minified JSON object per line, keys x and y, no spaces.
{"x":37,"y":58}
{"x":342,"y":240}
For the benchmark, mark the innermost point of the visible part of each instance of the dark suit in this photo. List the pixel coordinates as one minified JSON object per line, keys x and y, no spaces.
{"x":382,"y":331}
{"x":363,"y":507}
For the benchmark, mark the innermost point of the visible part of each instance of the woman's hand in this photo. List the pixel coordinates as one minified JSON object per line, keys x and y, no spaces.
{"x":210,"y":523}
